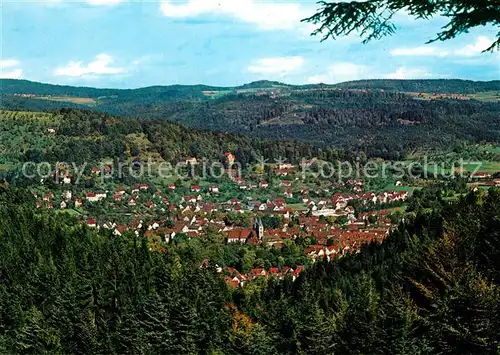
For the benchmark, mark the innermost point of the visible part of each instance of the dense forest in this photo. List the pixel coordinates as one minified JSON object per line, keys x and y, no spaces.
{"x":90,"y":136}
{"x":439,"y":86}
{"x":380,"y":124}
{"x":13,"y":86}
{"x":388,"y":124}
{"x":432,"y":287}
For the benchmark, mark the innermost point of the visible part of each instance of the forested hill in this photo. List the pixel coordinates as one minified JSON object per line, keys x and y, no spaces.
{"x":379,"y":123}
{"x":173,"y":92}
{"x":433,"y":287}
{"x":440,"y":86}
{"x":145,"y":94}
{"x":14,"y":86}
{"x":89,"y":136}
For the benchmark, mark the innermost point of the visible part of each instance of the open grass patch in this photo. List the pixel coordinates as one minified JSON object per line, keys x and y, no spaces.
{"x":392,"y":187}
{"x":484,"y":166}
{"x":486,"y":96}
{"x":73,"y":100}
{"x":297,"y":206}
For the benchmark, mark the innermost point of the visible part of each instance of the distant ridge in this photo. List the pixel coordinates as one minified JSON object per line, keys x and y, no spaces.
{"x":376,"y":117}
{"x":441,"y":86}
{"x":15,"y":86}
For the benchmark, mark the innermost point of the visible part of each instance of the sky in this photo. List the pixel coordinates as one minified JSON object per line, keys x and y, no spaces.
{"x":130,"y":44}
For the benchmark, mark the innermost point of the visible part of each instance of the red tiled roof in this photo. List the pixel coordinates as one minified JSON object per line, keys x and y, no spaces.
{"x":240,"y":233}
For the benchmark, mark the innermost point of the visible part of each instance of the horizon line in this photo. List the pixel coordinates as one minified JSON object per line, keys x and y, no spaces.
{"x":248,"y":83}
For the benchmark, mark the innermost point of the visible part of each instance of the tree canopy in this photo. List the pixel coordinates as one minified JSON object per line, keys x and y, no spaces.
{"x":432,"y":287}
{"x":373,"y":18}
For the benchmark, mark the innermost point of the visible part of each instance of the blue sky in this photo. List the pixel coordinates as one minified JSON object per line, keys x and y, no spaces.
{"x":125,"y":44}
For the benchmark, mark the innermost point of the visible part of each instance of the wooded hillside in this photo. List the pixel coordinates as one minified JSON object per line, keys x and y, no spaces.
{"x":363,"y":119}
{"x":432,"y":287}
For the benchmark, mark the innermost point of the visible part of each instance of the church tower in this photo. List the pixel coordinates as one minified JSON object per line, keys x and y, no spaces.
{"x":259,"y":228}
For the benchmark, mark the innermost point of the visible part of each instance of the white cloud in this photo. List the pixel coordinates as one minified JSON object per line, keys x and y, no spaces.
{"x":482,"y":42}
{"x":470,"y":50}
{"x":276,"y":66}
{"x":12,"y":72}
{"x":266,"y":15}
{"x":100,"y":66}
{"x":344,"y":71}
{"x":339,"y":72}
{"x":104,"y":2}
{"x":409,"y":73}
{"x":8,"y":63}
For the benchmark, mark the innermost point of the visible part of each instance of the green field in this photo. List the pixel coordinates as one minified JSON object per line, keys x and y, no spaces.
{"x":74,"y":100}
{"x":297,"y":206}
{"x":485,"y":166}
{"x":220,"y":93}
{"x":392,"y":187}
{"x":486,"y":96}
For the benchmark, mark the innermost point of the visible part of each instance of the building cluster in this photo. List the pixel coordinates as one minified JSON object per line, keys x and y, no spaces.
{"x":325,"y":224}
{"x":193,"y":216}
{"x":439,"y":96}
{"x":236,"y":279}
{"x":322,"y":221}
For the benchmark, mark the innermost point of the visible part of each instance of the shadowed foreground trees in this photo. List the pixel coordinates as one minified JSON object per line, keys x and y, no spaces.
{"x":431,"y":287}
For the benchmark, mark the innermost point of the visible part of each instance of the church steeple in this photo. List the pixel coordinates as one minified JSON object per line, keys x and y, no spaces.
{"x":259,"y":228}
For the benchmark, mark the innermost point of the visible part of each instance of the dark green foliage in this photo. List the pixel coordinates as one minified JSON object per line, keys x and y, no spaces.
{"x":156,"y":94}
{"x":373,"y":19}
{"x":438,"y":86}
{"x":65,"y":289}
{"x":432,"y":287}
{"x":384,"y":122}
{"x":88,"y":136}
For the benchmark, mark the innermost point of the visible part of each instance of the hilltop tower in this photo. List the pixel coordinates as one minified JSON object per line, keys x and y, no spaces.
{"x":230,"y":159}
